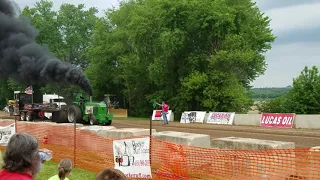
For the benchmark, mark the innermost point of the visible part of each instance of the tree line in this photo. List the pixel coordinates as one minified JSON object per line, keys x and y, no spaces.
{"x":302,"y":98}
{"x":265,"y":94}
{"x":193,"y":54}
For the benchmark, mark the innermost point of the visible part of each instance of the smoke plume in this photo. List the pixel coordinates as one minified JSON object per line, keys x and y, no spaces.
{"x":27,"y":62}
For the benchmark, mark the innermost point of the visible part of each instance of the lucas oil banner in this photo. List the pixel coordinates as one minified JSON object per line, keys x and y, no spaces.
{"x":277,"y":120}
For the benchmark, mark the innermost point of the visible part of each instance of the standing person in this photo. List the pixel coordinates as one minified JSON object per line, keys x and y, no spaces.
{"x":22,"y":160}
{"x":165,"y":110}
{"x":64,"y":170}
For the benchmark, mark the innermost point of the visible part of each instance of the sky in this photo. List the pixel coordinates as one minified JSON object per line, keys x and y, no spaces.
{"x":294,"y":23}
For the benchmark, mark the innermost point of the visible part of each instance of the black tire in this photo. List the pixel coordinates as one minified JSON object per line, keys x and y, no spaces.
{"x":92,"y":120}
{"x":74,"y":113}
{"x":22,"y":116}
{"x":60,"y":116}
{"x":108,"y":123}
{"x":29,"y":116}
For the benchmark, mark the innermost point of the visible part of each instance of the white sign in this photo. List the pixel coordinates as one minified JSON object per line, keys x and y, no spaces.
{"x":157,"y":115}
{"x":193,"y":117}
{"x":220,"y":118}
{"x":132,"y":157}
{"x":5,"y":134}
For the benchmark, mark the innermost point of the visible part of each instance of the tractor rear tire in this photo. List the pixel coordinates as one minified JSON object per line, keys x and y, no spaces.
{"x":60,"y":116}
{"x":74,"y":114}
{"x":109,"y":123}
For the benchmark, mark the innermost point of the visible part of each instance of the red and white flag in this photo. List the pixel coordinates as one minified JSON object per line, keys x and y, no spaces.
{"x":29,"y":90}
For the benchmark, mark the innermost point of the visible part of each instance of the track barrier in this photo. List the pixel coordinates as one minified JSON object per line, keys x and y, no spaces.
{"x":92,"y":152}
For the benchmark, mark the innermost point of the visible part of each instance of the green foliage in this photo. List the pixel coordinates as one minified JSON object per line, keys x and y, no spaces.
{"x":67,"y":32}
{"x":193,"y":54}
{"x":7,"y":87}
{"x":303,"y":98}
{"x":263,"y":94}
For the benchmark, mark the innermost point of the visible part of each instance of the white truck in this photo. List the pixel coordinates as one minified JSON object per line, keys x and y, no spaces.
{"x":53,"y":98}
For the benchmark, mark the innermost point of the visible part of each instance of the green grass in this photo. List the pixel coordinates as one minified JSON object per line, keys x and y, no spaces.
{"x":51,"y":168}
{"x":132,"y":118}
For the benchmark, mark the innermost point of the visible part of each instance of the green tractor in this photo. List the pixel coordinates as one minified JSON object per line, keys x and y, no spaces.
{"x":85,"y":111}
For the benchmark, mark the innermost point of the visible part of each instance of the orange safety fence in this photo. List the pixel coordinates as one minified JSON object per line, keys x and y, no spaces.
{"x":92,"y":152}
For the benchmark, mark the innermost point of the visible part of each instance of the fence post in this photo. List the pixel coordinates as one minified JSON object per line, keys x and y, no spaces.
{"x":15,"y":123}
{"x":150,"y":143}
{"x":74,"y":143}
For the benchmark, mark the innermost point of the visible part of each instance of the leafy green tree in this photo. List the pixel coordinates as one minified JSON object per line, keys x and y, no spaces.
{"x":5,"y":93}
{"x":44,"y":18}
{"x":76,"y":26}
{"x":103,"y":70}
{"x":193,"y":54}
{"x":66,"y":32}
{"x":305,"y":94}
{"x":303,"y":98}
{"x":277,"y":105}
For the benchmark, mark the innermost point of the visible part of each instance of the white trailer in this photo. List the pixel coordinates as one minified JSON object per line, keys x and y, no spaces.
{"x":53,"y":98}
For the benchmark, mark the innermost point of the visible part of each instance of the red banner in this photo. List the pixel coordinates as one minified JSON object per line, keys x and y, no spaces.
{"x":277,"y":120}
{"x":158,"y":113}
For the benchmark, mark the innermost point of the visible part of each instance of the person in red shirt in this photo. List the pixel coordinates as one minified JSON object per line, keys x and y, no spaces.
{"x":22,"y":160}
{"x":165,"y":110}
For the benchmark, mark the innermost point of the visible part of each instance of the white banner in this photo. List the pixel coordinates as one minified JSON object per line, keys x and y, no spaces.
{"x":221,"y":118}
{"x":132,"y":157}
{"x":193,"y":117}
{"x":157,"y":115}
{"x":5,"y":134}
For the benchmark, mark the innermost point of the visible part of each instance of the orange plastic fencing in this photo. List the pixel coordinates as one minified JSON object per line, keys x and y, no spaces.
{"x":92,"y":152}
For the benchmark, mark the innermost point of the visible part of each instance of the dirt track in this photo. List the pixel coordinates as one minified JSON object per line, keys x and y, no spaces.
{"x":301,"y":137}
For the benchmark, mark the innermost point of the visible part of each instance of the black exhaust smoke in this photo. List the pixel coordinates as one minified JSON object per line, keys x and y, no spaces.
{"x":27,"y":62}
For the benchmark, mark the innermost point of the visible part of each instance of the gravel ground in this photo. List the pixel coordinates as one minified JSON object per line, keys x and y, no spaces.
{"x":303,"y":138}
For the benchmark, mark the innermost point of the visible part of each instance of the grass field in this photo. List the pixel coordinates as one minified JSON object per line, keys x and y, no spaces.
{"x":50,"y":169}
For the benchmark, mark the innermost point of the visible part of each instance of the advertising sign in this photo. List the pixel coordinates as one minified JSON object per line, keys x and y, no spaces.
{"x":5,"y":134}
{"x":132,"y":157}
{"x":221,"y":118}
{"x":193,"y":117}
{"x":277,"y":120}
{"x":157,"y":115}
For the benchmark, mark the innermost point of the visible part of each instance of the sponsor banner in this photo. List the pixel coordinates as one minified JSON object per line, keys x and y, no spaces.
{"x":157,"y":115}
{"x":132,"y":157}
{"x":5,"y":134}
{"x":277,"y":120}
{"x":221,"y":118}
{"x":193,"y":117}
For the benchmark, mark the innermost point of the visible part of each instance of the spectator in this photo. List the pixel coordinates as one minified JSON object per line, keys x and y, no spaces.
{"x":111,"y":174}
{"x":22,"y":160}
{"x":64,"y":169}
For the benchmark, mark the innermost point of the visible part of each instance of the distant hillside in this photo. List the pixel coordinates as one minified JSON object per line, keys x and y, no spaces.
{"x":262,"y":94}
